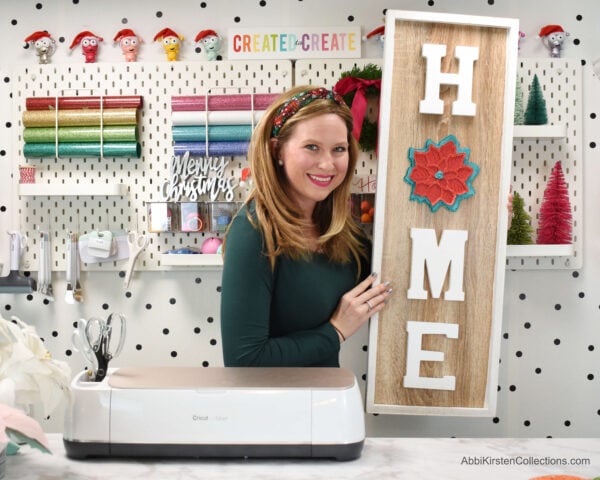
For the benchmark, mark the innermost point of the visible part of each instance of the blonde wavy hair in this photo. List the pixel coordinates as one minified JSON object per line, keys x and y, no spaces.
{"x":277,"y":215}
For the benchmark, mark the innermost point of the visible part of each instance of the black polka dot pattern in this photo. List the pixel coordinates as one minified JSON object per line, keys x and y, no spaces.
{"x":542,"y":331}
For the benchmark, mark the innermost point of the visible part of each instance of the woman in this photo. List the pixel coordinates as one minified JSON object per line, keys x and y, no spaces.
{"x":293,"y":256}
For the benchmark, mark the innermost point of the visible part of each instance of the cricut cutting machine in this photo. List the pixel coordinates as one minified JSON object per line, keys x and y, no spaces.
{"x":216,"y":412}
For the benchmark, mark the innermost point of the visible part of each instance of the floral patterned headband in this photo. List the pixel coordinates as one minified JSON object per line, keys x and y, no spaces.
{"x":298,"y":101}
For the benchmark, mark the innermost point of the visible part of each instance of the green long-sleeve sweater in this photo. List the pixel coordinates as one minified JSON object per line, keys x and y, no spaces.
{"x":281,"y":317}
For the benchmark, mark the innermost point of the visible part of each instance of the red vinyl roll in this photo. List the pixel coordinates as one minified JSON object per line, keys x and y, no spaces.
{"x":74,"y":103}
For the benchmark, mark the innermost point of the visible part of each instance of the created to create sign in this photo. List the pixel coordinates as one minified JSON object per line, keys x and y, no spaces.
{"x":445,"y":144}
{"x":293,"y":43}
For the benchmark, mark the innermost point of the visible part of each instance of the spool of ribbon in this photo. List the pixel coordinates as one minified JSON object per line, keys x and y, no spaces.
{"x":359,"y":103}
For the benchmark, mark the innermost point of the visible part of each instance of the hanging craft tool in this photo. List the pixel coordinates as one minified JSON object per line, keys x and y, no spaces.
{"x":100,"y":341}
{"x":94,"y":246}
{"x":73,"y":293}
{"x":14,"y":282}
{"x":137,"y":243}
{"x":45,"y":267}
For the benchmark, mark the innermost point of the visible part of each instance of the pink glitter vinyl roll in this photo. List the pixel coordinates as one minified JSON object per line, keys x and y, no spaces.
{"x":257,"y":101}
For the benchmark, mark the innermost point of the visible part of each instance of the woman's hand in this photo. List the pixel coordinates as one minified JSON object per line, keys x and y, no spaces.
{"x":358,"y":304}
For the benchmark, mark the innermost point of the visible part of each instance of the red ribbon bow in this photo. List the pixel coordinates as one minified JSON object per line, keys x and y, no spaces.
{"x":359,"y":103}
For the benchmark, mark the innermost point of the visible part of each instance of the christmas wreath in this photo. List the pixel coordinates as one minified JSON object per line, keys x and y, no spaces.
{"x":355,"y":86}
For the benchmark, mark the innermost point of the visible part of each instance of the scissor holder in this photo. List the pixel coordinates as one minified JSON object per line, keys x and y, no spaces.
{"x":216,"y":412}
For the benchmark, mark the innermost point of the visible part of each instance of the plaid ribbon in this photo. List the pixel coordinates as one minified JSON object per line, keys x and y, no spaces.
{"x":298,"y":101}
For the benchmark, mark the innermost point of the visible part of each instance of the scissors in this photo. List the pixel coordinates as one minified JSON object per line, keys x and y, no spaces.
{"x":95,"y":338}
{"x":81,"y":344}
{"x":137,"y":242}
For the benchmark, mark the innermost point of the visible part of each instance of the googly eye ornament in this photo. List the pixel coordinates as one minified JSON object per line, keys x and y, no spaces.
{"x":89,"y":42}
{"x":210,"y":43}
{"x":44,"y":45}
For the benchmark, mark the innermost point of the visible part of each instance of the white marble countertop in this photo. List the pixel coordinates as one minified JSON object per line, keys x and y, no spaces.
{"x":382,"y":459}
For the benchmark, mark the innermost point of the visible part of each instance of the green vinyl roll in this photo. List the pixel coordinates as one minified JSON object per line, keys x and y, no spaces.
{"x":216,"y":133}
{"x":116,"y":133}
{"x":110,"y":149}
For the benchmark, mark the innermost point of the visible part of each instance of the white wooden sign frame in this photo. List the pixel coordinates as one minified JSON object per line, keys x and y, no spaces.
{"x":509,"y":27}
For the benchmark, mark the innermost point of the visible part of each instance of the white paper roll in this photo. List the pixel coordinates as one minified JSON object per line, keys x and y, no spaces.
{"x":228,"y":117}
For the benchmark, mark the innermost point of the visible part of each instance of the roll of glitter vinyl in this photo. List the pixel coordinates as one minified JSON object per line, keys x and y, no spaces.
{"x":74,"y":103}
{"x":112,"y":133}
{"x":258,"y":101}
{"x":80,"y":118}
{"x":216,"y":133}
{"x":110,"y":149}
{"x":229,"y":117}
{"x":215,"y":149}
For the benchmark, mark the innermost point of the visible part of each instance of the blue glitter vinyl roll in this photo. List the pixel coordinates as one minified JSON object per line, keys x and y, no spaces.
{"x":215,"y":149}
{"x":216,"y":133}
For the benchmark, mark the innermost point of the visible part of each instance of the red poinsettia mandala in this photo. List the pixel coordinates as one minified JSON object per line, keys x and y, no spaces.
{"x":440,"y":174}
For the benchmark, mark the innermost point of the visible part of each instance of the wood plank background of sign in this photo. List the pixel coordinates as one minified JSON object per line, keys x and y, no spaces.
{"x":466,"y":358}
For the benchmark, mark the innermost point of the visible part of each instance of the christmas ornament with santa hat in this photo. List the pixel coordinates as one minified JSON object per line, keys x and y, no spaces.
{"x":209,"y":41}
{"x":378,"y":32}
{"x":129,"y":43}
{"x":171,"y":43}
{"x":89,"y":45}
{"x":553,"y":37}
{"x":44,"y":45}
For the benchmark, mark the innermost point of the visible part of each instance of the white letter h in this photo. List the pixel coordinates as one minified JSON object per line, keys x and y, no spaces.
{"x":432,"y":103}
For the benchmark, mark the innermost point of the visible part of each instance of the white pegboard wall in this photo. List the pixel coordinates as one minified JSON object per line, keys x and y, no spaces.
{"x":144,"y":176}
{"x":533,"y":158}
{"x":7,"y":192}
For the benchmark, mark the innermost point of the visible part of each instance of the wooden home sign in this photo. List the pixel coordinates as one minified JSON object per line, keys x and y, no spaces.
{"x":445,"y":143}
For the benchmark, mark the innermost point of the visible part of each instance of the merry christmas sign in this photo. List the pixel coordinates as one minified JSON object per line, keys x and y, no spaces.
{"x":445,"y":146}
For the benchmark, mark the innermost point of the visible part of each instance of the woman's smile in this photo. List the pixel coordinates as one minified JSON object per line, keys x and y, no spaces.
{"x":321,"y":180}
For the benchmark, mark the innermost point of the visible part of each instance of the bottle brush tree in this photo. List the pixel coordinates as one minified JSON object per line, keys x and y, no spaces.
{"x":555,"y":221}
{"x":520,"y":229}
{"x":535,"y":114}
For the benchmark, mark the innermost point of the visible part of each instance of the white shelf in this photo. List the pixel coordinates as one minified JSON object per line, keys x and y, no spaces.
{"x":191,"y":260}
{"x":539,"y":250}
{"x":540,"y":131}
{"x":74,"y":189}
